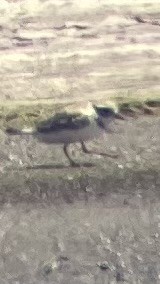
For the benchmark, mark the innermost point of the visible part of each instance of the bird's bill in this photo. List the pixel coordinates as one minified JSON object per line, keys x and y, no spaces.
{"x":119,"y":116}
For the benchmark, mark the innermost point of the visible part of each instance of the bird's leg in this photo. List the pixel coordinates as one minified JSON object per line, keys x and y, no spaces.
{"x":72,"y":162}
{"x":85,"y":150}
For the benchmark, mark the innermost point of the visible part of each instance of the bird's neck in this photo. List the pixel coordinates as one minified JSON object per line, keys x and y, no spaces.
{"x":100,"y":122}
{"x":103,"y":123}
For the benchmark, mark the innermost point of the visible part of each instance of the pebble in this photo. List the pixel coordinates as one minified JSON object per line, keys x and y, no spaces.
{"x":103,"y":265}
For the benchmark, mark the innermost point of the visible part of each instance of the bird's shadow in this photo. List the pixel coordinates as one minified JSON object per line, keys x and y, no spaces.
{"x":59,"y":166}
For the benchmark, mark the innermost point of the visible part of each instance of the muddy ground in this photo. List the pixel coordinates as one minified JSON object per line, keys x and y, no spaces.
{"x":99,"y":223}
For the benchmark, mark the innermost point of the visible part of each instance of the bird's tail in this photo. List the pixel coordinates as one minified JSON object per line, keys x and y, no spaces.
{"x":14,"y":131}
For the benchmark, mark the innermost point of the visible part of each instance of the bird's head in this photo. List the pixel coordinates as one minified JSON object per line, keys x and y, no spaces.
{"x":107,"y":115}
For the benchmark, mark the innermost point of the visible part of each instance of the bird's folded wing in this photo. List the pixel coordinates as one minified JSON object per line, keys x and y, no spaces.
{"x":63,"y":122}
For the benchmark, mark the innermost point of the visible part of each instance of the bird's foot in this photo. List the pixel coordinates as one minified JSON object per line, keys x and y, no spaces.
{"x":77,"y":165}
{"x":74,"y":164}
{"x":87,"y":151}
{"x":113,"y":156}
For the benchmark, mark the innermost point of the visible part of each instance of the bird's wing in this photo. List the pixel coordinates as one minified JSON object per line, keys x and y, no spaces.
{"x":63,"y":121}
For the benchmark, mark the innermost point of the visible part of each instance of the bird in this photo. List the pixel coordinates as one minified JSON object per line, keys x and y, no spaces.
{"x":68,"y":128}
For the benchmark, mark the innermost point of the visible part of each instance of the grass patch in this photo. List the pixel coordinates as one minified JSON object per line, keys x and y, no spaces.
{"x":19,"y":114}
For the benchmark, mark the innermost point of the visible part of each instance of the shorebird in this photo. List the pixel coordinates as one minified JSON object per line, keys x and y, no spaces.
{"x":64,"y":128}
